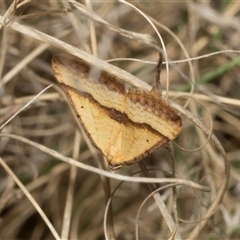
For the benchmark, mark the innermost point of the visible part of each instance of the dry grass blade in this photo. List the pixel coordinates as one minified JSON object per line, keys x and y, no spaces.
{"x":27,"y":194}
{"x":103,"y":172}
{"x":200,"y":45}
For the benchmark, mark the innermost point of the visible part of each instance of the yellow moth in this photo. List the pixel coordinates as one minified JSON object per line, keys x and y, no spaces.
{"x":125,"y":125}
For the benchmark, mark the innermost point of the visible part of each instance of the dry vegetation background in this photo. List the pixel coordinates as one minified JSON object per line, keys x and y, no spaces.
{"x":74,"y":199}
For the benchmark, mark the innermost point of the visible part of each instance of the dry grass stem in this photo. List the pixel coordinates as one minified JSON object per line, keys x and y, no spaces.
{"x":54,"y":184}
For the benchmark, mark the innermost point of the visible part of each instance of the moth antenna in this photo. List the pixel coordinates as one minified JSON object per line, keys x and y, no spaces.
{"x":158,"y":73}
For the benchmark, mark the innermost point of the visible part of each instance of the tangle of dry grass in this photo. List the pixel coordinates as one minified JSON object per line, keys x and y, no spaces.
{"x":53,"y":182}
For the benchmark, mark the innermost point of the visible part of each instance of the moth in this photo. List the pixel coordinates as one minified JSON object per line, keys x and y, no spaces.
{"x":125,"y":125}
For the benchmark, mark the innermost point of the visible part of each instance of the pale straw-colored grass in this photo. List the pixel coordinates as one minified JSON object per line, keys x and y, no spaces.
{"x":55,"y":184}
